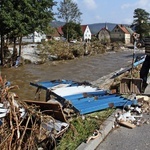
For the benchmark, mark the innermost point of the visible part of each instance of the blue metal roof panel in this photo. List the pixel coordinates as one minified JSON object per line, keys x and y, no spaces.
{"x":96,"y":102}
{"x":84,"y":95}
{"x":91,"y":100}
{"x":138,"y":62}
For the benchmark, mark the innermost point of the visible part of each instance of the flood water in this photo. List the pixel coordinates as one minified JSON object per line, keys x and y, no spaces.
{"x":81,"y":69}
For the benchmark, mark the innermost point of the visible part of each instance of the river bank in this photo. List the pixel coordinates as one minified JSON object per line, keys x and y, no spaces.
{"x":49,"y":51}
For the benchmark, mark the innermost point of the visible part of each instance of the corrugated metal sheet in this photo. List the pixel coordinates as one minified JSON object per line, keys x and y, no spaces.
{"x":51,"y":84}
{"x":96,"y":101}
{"x":83,"y":97}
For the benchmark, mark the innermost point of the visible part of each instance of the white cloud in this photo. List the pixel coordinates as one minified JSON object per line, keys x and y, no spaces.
{"x":145,"y":4}
{"x":124,"y":6}
{"x":98,"y":18}
{"x":76,"y":1}
{"x":90,"y":4}
{"x":128,"y":20}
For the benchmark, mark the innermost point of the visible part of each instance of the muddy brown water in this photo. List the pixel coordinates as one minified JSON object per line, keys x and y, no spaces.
{"x":81,"y":69}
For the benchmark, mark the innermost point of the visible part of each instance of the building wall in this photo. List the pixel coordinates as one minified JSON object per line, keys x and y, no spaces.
{"x":127,"y":38}
{"x":118,"y":35}
{"x":104,"y":36}
{"x":36,"y":37}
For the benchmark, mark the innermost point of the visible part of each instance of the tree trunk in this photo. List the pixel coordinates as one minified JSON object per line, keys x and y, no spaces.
{"x":1,"y":52}
{"x":14,"y":48}
{"x":14,"y":56}
{"x":20,"y":42}
{"x":33,"y":37}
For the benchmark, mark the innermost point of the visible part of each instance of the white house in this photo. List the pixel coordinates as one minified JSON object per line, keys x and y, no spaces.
{"x":86,"y":32}
{"x":35,"y":37}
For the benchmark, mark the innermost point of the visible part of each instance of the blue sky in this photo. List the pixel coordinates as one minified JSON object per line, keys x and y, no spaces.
{"x":112,"y":11}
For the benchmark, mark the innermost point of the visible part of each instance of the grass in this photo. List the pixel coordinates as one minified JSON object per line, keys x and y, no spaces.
{"x":81,"y":128}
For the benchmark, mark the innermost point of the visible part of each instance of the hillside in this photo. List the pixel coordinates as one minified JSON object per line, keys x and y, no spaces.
{"x":56,"y":24}
{"x":95,"y":28}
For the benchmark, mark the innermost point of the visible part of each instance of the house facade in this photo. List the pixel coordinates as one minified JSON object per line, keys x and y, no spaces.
{"x":131,"y":34}
{"x":120,"y":33}
{"x":35,"y":37}
{"x":104,"y":36}
{"x":57,"y":34}
{"x":86,"y":33}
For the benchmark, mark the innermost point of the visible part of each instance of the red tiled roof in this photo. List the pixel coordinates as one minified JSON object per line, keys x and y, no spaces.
{"x":123,"y":28}
{"x":83,"y":27}
{"x":59,"y":30}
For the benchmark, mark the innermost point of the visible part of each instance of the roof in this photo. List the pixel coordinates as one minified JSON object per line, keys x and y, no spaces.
{"x":104,"y":29}
{"x":123,"y":28}
{"x":82,"y":96}
{"x":95,"y":28}
{"x":83,"y":28}
{"x":56,"y":32}
{"x":59,"y":29}
{"x":130,"y":30}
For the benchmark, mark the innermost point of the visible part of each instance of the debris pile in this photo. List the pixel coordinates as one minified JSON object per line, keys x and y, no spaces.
{"x":133,"y":115}
{"x":24,"y":126}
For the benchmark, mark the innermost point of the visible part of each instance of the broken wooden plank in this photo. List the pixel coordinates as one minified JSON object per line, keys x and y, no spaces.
{"x":127,"y":124}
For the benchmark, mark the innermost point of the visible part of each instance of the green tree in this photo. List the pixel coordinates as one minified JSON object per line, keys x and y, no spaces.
{"x":6,"y":24}
{"x":141,"y":22}
{"x":26,"y":23}
{"x":74,"y":30}
{"x":68,"y":11}
{"x":20,"y":18}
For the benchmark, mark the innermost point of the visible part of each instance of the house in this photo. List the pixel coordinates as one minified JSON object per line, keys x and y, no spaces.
{"x":86,"y":32}
{"x":131,"y":34}
{"x":104,"y":35}
{"x":34,"y":37}
{"x":95,"y":28}
{"x":56,"y":34}
{"x":120,"y":33}
{"x":38,"y":37}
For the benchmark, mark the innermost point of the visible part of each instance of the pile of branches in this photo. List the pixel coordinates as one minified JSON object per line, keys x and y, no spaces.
{"x":66,"y":51}
{"x":20,"y":127}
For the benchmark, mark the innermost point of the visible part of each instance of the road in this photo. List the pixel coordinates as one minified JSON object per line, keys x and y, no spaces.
{"x":129,"y":139}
